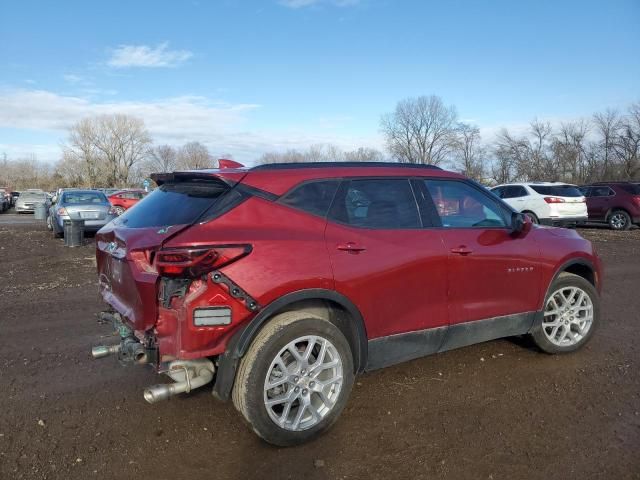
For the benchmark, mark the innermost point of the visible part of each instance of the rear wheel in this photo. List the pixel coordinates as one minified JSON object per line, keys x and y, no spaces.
{"x":295,"y":379}
{"x":119,"y":210}
{"x":619,"y":220}
{"x":571,"y":313}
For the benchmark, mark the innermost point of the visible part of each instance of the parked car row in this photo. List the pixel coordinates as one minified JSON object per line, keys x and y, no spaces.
{"x":561,"y":204}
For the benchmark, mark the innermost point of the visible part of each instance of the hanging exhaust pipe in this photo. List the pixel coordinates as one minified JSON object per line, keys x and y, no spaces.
{"x":188,"y":375}
{"x":101,"y":351}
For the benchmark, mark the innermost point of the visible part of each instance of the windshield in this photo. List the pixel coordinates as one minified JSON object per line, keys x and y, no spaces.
{"x":173,"y":204}
{"x":558,"y":190}
{"x":76,"y":198}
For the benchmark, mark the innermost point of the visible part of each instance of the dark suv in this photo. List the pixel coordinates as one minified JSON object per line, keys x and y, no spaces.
{"x":278,"y":284}
{"x":616,"y":203}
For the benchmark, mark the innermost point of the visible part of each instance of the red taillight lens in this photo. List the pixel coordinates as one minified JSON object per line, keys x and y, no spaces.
{"x":194,"y":262}
{"x":554,"y":200}
{"x":62,"y":211}
{"x":636,"y":199}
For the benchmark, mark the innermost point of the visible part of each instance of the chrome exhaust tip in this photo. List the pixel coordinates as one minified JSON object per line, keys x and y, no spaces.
{"x":104,"y":350}
{"x":157,"y":393}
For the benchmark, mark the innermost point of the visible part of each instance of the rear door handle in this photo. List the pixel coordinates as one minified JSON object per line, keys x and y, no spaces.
{"x":351,"y":247}
{"x":462,"y":250}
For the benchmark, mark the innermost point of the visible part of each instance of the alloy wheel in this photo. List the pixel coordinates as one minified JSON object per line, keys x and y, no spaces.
{"x":303,"y":383}
{"x":568,"y":316}
{"x":618,"y":221}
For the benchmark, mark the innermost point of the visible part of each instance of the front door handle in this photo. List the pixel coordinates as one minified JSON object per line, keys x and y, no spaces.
{"x":350,"y":247}
{"x":462,"y":250}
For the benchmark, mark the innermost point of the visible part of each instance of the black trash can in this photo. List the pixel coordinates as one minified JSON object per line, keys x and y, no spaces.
{"x":73,"y":233}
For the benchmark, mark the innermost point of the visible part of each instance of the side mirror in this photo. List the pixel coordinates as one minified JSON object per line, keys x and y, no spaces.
{"x":520,"y":224}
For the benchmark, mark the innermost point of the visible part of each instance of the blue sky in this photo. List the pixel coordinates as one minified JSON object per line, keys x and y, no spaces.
{"x":246,"y":77}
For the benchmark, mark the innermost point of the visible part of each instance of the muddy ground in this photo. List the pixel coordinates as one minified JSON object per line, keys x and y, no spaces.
{"x":491,"y":411}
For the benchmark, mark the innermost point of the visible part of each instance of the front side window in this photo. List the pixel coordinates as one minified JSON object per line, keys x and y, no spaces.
{"x":313,"y":197}
{"x":460,"y":205}
{"x":377,"y":203}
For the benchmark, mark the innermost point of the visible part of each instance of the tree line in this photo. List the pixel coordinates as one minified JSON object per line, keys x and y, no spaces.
{"x":117,"y":150}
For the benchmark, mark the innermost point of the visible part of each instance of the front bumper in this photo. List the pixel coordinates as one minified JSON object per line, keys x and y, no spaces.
{"x":564,"y":221}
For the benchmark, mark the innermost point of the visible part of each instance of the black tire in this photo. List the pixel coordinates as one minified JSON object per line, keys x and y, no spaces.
{"x":619,"y":220}
{"x":565,"y":280}
{"x":248,"y":390}
{"x":534,"y":218}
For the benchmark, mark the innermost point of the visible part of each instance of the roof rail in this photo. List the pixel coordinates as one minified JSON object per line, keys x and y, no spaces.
{"x":298,"y":165}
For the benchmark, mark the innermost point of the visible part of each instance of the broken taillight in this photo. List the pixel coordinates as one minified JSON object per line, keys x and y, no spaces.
{"x":193,"y":262}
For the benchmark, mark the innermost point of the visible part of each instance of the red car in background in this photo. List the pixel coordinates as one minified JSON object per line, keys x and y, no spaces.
{"x":125,"y":199}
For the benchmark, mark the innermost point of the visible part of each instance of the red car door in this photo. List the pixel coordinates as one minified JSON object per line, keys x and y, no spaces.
{"x":391,"y":268}
{"x":599,"y":202}
{"x":491,"y":273}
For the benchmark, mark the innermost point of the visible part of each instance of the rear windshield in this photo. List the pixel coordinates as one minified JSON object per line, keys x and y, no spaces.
{"x":173,"y":204}
{"x":631,"y":188}
{"x":77,"y":198}
{"x":34,"y":196}
{"x":558,"y":190}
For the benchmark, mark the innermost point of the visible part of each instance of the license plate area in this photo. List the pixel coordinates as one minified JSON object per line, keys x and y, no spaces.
{"x":89,"y":215}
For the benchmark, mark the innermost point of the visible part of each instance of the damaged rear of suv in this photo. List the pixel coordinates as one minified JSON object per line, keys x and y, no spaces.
{"x":276,"y":285}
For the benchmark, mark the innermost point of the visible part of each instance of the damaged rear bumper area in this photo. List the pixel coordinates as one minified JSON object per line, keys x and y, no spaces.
{"x":187,"y":374}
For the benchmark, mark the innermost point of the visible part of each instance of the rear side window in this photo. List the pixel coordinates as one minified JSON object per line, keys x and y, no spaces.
{"x":174,"y":204}
{"x":601,"y":192}
{"x":313,"y":197}
{"x":377,"y":203}
{"x":557,"y":190}
{"x":631,"y":188}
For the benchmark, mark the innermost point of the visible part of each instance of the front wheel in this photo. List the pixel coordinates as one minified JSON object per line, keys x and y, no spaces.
{"x":571,"y":313}
{"x":295,"y":379}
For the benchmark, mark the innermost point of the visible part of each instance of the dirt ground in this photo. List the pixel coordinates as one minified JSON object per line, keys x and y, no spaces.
{"x":491,"y":411}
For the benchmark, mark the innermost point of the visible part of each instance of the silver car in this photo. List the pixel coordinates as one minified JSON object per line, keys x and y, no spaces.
{"x":27,"y":201}
{"x":91,"y":206}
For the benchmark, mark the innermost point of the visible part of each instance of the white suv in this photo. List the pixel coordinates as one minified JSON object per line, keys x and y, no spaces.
{"x":547,"y":203}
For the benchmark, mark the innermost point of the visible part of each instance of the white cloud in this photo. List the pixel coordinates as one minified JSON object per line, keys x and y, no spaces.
{"x":309,"y":3}
{"x":125,"y":56}
{"x":71,"y":78}
{"x":223,"y":127}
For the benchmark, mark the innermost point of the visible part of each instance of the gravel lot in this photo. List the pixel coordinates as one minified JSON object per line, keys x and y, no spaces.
{"x":491,"y":411}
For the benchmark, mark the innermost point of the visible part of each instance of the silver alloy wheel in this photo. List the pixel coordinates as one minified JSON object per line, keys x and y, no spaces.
{"x":119,"y":210}
{"x":303,"y":383}
{"x":618,"y":221}
{"x":568,"y":316}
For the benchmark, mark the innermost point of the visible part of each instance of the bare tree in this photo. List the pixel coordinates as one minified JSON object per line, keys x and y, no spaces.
{"x":607,"y":126}
{"x":194,"y":155}
{"x":627,"y":144}
{"x":569,"y":150}
{"x":162,"y":158}
{"x":421,"y":130}
{"x":108,"y":147}
{"x":364,"y":154}
{"x":470,"y":155}
{"x":322,"y":152}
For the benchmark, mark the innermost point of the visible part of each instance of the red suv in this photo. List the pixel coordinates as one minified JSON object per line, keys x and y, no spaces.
{"x":616,"y":203}
{"x":278,"y":284}
{"x":125,"y":199}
